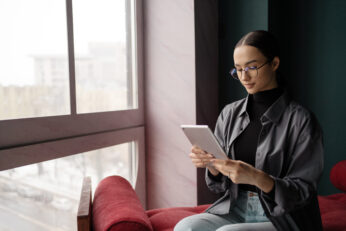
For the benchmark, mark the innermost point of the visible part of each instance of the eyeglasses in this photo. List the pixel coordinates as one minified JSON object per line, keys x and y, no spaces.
{"x":250,"y":71}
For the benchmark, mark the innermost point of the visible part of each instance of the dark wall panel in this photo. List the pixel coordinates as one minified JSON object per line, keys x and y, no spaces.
{"x":206,"y":44}
{"x":312,"y":34}
{"x":236,"y":18}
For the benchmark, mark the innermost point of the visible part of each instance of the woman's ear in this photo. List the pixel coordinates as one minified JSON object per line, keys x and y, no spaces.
{"x":275,"y":63}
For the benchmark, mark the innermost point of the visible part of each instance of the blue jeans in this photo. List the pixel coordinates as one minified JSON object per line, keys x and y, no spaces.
{"x":245,"y":214}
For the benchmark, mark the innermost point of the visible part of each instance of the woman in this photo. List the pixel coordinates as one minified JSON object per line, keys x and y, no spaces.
{"x":275,"y":148}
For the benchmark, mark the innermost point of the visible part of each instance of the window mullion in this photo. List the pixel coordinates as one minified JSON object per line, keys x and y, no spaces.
{"x":71,"y":59}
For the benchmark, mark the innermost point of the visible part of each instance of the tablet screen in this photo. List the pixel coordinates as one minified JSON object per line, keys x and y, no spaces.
{"x":203,"y":137}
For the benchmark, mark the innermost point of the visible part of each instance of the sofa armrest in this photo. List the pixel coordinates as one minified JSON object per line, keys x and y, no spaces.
{"x":84,"y":214}
{"x":338,"y":175}
{"x":116,"y":207}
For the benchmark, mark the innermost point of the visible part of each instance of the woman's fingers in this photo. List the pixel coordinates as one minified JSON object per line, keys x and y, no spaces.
{"x":200,"y":160}
{"x":197,"y":150}
{"x":198,"y":163}
{"x":200,"y":156}
{"x":225,"y":164}
{"x":237,"y":171}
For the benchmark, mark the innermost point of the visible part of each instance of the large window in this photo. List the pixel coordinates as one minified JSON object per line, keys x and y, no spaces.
{"x":34,"y":59}
{"x":34,"y":79}
{"x":102,"y":53}
{"x":70,"y":98}
{"x":45,"y":196}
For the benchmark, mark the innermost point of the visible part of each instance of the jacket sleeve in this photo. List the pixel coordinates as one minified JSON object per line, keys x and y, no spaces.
{"x":304,"y":169}
{"x":219,"y":183}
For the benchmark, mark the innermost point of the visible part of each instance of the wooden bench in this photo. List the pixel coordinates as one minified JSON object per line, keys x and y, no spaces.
{"x":84,"y":214}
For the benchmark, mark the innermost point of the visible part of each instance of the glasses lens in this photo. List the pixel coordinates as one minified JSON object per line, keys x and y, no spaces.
{"x":234,"y":74}
{"x":252,"y":72}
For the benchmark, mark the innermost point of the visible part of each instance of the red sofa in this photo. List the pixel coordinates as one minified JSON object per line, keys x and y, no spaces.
{"x":333,"y":207}
{"x":116,"y":207}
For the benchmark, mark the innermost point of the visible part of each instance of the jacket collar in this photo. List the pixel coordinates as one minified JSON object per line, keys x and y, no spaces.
{"x":274,"y":112}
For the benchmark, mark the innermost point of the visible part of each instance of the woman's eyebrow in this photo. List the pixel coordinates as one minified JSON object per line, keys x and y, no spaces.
{"x":251,"y":61}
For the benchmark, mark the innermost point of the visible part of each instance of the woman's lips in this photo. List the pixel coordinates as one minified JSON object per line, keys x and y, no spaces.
{"x":249,"y":85}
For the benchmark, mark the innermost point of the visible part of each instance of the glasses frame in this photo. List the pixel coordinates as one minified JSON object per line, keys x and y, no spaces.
{"x":233,"y":71}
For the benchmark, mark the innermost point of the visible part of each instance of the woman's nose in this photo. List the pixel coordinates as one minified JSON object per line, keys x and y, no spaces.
{"x":244,"y":75}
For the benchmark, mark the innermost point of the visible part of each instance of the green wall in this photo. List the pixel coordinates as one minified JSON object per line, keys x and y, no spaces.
{"x":236,"y":18}
{"x":313,"y":60}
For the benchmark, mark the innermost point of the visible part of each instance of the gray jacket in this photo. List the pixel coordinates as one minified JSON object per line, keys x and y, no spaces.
{"x":290,"y":149}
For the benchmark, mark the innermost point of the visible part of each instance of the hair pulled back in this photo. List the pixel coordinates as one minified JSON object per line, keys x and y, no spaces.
{"x":267,"y":44}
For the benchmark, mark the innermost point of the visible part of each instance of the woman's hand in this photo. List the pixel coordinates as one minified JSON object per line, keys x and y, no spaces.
{"x":199,"y":157}
{"x":243,"y":173}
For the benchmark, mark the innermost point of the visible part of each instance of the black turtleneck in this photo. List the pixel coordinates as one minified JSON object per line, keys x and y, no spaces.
{"x":245,"y":145}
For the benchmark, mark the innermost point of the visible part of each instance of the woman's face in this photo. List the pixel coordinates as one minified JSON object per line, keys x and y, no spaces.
{"x":249,"y":56}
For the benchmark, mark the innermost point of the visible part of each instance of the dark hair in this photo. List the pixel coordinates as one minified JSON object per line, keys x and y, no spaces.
{"x":267,"y":44}
{"x":263,"y":41}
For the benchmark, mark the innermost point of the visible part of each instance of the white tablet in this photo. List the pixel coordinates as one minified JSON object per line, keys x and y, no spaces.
{"x":203,"y":137}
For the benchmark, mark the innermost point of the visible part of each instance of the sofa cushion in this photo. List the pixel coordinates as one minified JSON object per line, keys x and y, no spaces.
{"x":333,"y":211}
{"x":116,"y":207}
{"x":338,"y":175}
{"x":165,"y":219}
